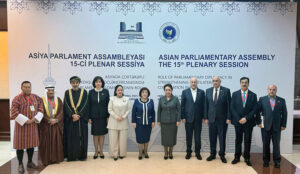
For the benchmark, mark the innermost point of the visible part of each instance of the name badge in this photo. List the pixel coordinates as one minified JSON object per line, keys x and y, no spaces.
{"x":32,"y":108}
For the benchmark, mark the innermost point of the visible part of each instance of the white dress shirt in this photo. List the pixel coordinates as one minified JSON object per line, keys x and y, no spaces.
{"x":218,"y":92}
{"x":194,"y":94}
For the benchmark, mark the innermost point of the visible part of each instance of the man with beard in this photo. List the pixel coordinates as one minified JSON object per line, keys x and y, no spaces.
{"x":75,"y":122}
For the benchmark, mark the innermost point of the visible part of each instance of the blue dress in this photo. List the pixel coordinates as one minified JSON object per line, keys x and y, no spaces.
{"x":143,"y":114}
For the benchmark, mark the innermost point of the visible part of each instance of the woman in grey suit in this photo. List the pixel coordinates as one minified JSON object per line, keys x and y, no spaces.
{"x":168,"y":117}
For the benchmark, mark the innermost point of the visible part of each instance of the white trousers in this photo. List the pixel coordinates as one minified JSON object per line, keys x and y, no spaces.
{"x":117,"y":142}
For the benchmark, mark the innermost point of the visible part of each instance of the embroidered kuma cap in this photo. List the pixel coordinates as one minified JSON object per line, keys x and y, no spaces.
{"x":75,"y":79}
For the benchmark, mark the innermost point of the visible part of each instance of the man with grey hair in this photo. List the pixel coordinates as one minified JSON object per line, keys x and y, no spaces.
{"x":217,"y":116}
{"x":272,"y":118}
{"x":192,"y":111}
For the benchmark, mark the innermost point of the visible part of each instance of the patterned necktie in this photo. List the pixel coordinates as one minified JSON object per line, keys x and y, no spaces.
{"x":216,"y":97}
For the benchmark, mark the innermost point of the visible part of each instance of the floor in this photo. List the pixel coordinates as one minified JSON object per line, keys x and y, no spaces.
{"x":289,"y":164}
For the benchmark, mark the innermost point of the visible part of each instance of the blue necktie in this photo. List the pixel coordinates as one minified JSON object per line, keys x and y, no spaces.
{"x":244,"y":97}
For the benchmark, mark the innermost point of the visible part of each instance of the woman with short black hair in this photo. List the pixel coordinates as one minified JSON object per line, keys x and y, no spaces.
{"x":98,"y":114}
{"x":118,"y":108}
{"x":168,"y":117}
{"x":143,"y":119}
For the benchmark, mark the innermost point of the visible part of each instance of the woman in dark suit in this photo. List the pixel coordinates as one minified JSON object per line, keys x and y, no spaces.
{"x":143,"y":119}
{"x":98,"y":113}
{"x":168,"y":117}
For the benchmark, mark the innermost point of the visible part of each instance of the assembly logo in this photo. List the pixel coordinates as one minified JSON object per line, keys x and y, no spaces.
{"x":131,"y":34}
{"x":169,"y":32}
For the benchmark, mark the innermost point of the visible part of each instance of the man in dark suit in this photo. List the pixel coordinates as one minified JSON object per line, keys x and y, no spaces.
{"x":243,"y":110}
{"x":272,"y":118}
{"x":217,"y":116}
{"x":192,"y":111}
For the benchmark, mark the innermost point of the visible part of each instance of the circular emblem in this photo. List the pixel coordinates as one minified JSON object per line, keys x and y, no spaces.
{"x":169,"y":32}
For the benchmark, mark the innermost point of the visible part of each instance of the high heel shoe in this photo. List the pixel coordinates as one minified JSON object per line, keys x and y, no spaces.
{"x":95,"y":156}
{"x":140,"y":157}
{"x":165,"y":157}
{"x":101,"y":156}
{"x":146,"y":155}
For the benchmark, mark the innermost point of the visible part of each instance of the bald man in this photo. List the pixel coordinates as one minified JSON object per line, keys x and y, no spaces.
{"x":217,"y":116}
{"x":192,"y":111}
{"x":272,"y":118}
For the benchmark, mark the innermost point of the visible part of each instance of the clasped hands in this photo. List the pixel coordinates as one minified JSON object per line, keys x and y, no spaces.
{"x":75,"y":117}
{"x":30,"y":121}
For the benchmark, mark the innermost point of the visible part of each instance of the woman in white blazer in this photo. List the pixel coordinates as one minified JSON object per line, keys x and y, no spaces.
{"x":118,"y":108}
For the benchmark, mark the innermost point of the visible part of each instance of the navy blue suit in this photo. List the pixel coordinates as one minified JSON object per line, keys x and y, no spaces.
{"x":239,"y":111}
{"x":193,"y":113}
{"x":217,"y":114}
{"x":143,"y":114}
{"x":273,"y":120}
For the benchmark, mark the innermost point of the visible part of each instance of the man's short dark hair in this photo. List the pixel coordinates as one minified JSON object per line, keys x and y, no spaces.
{"x":244,"y":78}
{"x":24,"y":82}
{"x":96,"y":79}
{"x":144,"y":89}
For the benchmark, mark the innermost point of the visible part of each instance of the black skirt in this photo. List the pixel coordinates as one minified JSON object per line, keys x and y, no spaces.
{"x":143,"y":133}
{"x":99,"y":126}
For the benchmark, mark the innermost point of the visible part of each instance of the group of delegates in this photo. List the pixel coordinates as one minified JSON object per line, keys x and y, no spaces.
{"x":60,"y":129}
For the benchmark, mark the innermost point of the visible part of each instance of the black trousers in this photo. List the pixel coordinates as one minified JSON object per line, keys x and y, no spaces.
{"x":191,"y":129}
{"x":266,"y":138}
{"x":243,"y":131}
{"x":217,"y":129}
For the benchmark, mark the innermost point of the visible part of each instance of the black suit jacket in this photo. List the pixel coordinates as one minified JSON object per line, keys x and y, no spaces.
{"x":272,"y":119}
{"x":221,"y":110}
{"x":238,"y":111}
{"x":98,"y":110}
{"x":191,"y":110}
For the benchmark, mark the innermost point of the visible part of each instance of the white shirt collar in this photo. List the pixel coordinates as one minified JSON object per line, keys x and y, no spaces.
{"x":193,"y":90}
{"x":217,"y":88}
{"x":98,"y":90}
{"x":245,"y":91}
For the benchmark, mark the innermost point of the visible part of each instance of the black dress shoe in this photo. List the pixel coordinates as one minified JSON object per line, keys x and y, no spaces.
{"x":199,"y":157}
{"x":236,"y":160}
{"x":188,"y":156}
{"x":277,"y":165}
{"x":266,"y":164}
{"x":146,"y":156}
{"x":171,"y":156}
{"x":223,"y":159}
{"x":165,"y":157}
{"x":140,"y":157}
{"x":210,"y":158}
{"x":248,"y":162}
{"x":95,"y":156}
{"x":115,"y":159}
{"x":121,"y":157}
{"x":21,"y":168}
{"x":82,"y":159}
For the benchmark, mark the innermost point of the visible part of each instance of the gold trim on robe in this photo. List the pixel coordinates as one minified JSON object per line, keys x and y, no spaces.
{"x":79,"y":101}
{"x":47,"y":109}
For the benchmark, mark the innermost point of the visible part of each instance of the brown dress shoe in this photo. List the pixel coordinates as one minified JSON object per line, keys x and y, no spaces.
{"x":31,"y":165}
